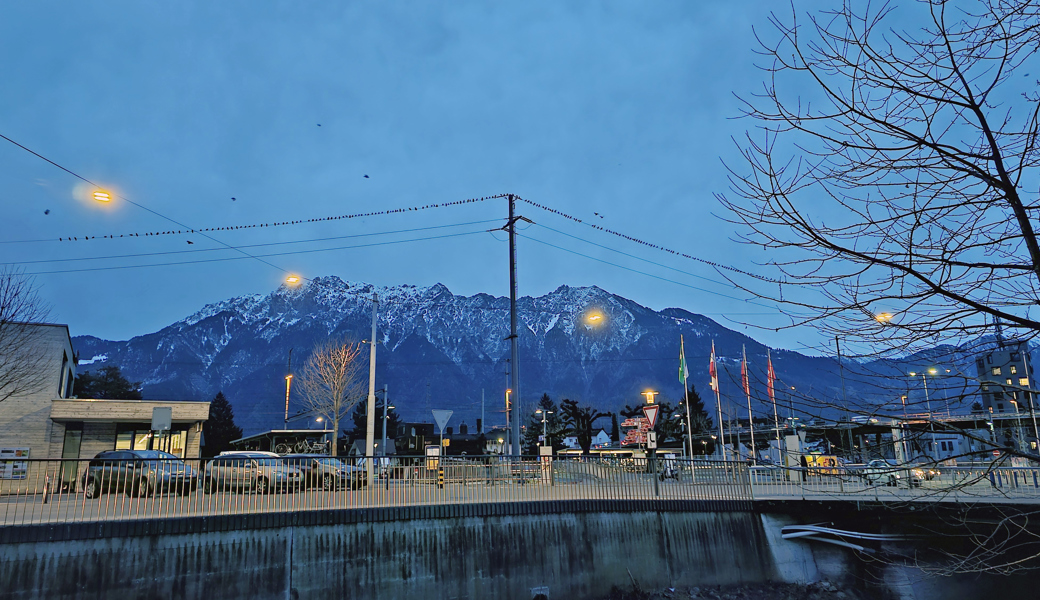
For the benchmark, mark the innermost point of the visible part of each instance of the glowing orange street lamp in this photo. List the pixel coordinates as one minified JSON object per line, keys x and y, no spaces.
{"x":883,"y":318}
{"x":102,"y":196}
{"x":292,"y":279}
{"x":650,"y":396}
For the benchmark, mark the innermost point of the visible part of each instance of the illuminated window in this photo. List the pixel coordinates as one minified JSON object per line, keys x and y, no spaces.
{"x":1014,"y":369}
{"x":1008,"y":381}
{"x":996,"y":370}
{"x":1023,"y":381}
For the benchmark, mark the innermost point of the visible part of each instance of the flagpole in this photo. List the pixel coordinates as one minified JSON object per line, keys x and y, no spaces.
{"x":771,"y":376}
{"x":686,"y":395}
{"x":747,"y":391}
{"x":718,"y":401}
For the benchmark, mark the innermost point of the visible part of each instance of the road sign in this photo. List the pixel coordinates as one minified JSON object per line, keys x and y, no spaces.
{"x":162,"y":418}
{"x":650,"y":412}
{"x":442,"y":416}
{"x":651,"y":440}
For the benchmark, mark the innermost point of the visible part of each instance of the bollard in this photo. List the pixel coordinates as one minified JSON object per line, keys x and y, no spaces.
{"x":46,"y":488}
{"x":440,"y":477}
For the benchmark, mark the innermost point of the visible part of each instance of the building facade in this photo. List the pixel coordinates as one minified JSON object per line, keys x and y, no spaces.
{"x":1006,"y":379}
{"x":44,"y":421}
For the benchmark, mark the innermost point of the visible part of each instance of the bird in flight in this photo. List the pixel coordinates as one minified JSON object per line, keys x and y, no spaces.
{"x":233,"y":198}
{"x":190,"y":242}
{"x":366,"y":177}
{"x":47,"y":212}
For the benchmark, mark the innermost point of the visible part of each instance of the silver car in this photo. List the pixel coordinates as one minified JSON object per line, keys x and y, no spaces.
{"x":250,"y":471}
{"x":327,"y":473}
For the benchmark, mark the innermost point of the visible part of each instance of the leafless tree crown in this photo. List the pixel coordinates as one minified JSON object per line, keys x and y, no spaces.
{"x":22,"y":354}
{"x":332,"y":380}
{"x":894,"y":171}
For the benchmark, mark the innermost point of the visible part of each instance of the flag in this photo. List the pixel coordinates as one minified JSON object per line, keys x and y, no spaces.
{"x":744,"y":375}
{"x":683,"y":371}
{"x":712,"y":371}
{"x":770,"y":378}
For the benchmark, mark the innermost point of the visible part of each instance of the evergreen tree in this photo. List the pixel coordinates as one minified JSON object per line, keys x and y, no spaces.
{"x":108,"y":384}
{"x":554,"y":427}
{"x":359,"y":418}
{"x":220,"y":429}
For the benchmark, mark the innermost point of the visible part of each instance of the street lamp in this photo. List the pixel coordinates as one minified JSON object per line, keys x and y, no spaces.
{"x":883,"y":318}
{"x":386,"y":417}
{"x":928,"y":405}
{"x":545,"y":436}
{"x":508,"y":430}
{"x":292,"y":279}
{"x":102,"y":196}
{"x":650,"y":396}
{"x":595,"y":318}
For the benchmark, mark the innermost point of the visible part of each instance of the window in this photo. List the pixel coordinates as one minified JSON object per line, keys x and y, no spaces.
{"x":996,"y":370}
{"x":1000,"y":407}
{"x":1023,"y":381}
{"x":989,"y":358}
{"x":62,"y":376}
{"x":1008,"y":381}
{"x":1014,"y":358}
{"x":980,"y":365}
{"x":1014,"y":369}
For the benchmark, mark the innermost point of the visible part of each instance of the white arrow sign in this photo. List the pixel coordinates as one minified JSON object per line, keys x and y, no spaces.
{"x":442,"y":416}
{"x":650,"y":412}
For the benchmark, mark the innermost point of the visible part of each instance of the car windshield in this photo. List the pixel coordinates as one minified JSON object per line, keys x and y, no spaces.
{"x":155,"y":454}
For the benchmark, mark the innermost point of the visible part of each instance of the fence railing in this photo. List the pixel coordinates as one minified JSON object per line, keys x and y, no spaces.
{"x":899,"y":483}
{"x":57,"y":491}
{"x":50,"y":491}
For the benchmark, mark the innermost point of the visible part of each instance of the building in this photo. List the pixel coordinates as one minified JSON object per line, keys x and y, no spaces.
{"x":600,"y":439}
{"x":1006,"y":378}
{"x":42,"y":419}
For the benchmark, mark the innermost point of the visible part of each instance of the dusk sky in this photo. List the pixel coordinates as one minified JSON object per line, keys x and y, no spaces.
{"x":619,"y":108}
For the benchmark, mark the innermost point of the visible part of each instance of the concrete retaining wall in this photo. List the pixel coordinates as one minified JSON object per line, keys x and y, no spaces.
{"x":575,"y":554}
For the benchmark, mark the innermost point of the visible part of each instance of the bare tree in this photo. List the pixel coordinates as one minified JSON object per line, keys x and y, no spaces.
{"x":22,"y":357}
{"x":892,"y":176}
{"x":887,"y":175}
{"x":332,"y":381}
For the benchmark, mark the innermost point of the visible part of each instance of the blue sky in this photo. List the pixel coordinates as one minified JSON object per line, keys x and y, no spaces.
{"x":619,"y":108}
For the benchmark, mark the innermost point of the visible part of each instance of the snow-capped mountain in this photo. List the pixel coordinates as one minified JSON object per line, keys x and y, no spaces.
{"x":440,"y":350}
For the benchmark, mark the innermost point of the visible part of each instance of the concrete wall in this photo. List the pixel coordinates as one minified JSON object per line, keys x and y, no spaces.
{"x":575,"y":550}
{"x":575,"y":554}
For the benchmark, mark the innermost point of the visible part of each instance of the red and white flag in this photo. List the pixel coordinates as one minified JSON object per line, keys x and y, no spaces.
{"x":744,"y":375}
{"x":770,"y":378}
{"x":712,"y":371}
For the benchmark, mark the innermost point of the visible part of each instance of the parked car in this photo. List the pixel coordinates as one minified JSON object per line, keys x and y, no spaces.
{"x":925,"y":470}
{"x":250,"y":471}
{"x":326,"y":472}
{"x":138,"y":473}
{"x":882,"y":471}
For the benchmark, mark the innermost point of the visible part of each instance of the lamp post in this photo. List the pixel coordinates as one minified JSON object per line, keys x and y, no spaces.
{"x":386,"y":415}
{"x":508,"y":429}
{"x":545,"y":435}
{"x":928,"y":406}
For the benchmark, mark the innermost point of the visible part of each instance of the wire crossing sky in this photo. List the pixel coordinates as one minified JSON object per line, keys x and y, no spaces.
{"x":235,"y":119}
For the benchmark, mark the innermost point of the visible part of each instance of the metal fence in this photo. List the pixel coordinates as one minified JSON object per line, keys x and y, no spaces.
{"x":985,"y":483}
{"x":57,"y":491}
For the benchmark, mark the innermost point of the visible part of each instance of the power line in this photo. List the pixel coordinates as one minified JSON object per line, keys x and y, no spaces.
{"x":259,"y":256}
{"x":693,"y":287}
{"x":266,"y":244}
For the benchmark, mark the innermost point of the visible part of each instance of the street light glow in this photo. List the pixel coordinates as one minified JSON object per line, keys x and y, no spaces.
{"x":883,"y":318}
{"x":650,"y":396}
{"x":292,"y":279}
{"x":102,"y":196}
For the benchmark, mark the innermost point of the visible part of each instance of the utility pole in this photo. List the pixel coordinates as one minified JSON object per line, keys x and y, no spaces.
{"x":370,"y":433}
{"x":514,"y":367}
{"x":386,"y":416}
{"x":844,"y":398}
{"x":482,"y":421}
{"x":288,"y":384}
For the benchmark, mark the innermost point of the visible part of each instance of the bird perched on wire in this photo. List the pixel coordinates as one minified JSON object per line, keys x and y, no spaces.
{"x":190,"y":242}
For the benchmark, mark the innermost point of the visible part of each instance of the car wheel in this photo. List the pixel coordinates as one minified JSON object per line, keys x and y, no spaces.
{"x":91,"y":489}
{"x":328,"y":483}
{"x":138,"y":488}
{"x":262,"y":486}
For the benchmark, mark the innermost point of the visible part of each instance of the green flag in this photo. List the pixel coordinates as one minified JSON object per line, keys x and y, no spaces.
{"x":684,"y":373}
